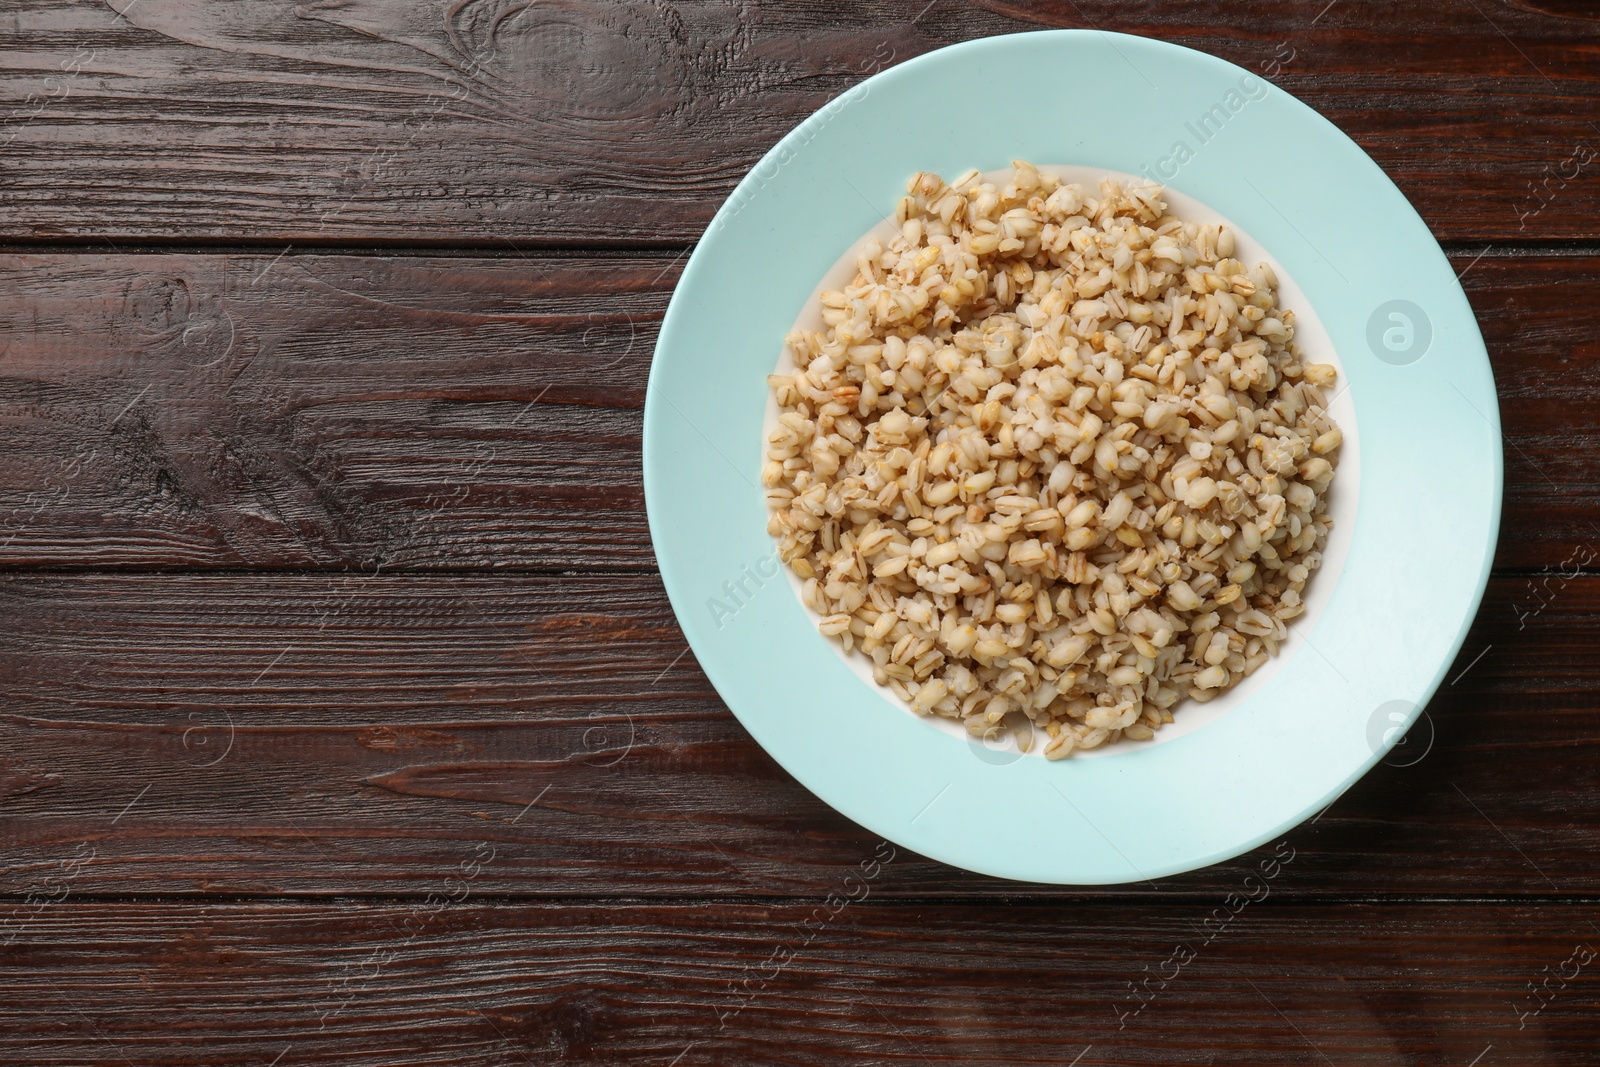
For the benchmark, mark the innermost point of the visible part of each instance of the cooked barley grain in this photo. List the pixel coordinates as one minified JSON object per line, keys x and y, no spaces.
{"x":1054,"y":459}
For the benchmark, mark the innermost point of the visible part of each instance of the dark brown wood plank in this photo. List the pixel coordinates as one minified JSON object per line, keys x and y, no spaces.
{"x":412,"y":413}
{"x":594,"y":121}
{"x":1546,"y":362}
{"x":305,"y":734}
{"x":450,"y":980}
{"x":325,"y":411}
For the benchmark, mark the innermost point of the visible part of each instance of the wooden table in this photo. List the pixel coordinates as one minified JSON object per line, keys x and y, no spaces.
{"x":345,"y":719}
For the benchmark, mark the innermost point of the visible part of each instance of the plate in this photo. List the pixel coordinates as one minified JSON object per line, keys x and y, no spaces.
{"x":1416,"y":502}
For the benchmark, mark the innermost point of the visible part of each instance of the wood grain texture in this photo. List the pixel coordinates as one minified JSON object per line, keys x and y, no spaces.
{"x":419,"y":412}
{"x":453,"y":981}
{"x":325,"y":411}
{"x":343,"y":717}
{"x":307,"y":734}
{"x":595,"y":121}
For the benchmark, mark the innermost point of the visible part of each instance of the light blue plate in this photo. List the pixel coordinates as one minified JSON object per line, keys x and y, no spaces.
{"x":1419,"y":379}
